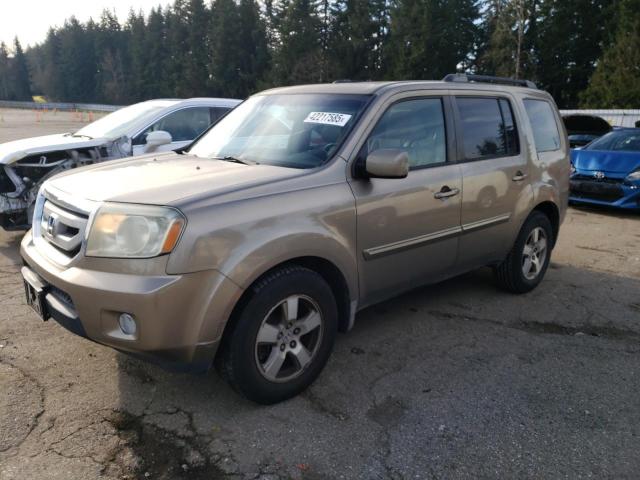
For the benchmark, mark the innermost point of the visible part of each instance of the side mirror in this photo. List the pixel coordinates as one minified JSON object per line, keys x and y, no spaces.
{"x":387,"y":163}
{"x":157,"y":139}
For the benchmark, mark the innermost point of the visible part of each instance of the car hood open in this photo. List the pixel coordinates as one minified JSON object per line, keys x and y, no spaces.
{"x":164,"y":179}
{"x":614,"y":162}
{"x":13,"y":151}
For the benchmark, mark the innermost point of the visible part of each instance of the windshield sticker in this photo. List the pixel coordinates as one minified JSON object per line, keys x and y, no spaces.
{"x":326,"y":118}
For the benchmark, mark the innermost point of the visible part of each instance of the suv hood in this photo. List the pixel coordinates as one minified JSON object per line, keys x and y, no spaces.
{"x":163,"y":179}
{"x":613,"y":162}
{"x":13,"y":151}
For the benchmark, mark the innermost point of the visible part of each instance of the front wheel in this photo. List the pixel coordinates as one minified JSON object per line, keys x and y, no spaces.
{"x":525,"y":266}
{"x":282,"y":337}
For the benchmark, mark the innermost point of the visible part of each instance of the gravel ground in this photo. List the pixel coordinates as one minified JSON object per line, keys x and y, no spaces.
{"x":455,"y":380}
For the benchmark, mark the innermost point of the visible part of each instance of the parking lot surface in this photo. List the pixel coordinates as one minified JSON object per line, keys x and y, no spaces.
{"x":454,"y":380}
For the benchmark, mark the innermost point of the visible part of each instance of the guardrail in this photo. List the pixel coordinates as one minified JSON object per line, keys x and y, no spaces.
{"x":68,"y":107}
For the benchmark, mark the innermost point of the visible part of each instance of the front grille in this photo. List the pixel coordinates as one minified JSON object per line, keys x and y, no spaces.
{"x":591,"y":178}
{"x":63,"y":228}
{"x":596,"y":190}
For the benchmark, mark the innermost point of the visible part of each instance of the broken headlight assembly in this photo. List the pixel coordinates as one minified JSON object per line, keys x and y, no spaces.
{"x":134,"y":231}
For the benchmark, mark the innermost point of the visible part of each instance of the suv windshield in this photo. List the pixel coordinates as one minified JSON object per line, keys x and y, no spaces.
{"x":119,"y":123}
{"x":294,"y":130}
{"x":621,"y":140}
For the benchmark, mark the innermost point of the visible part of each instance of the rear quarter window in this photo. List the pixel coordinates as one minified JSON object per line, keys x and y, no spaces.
{"x":543,"y":123}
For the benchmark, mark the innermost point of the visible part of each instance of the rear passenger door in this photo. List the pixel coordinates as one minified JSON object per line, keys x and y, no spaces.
{"x":495,"y":176}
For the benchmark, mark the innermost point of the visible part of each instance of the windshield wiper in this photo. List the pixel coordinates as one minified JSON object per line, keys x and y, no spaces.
{"x":229,"y":158}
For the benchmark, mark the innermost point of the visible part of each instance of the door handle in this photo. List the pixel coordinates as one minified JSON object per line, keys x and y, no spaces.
{"x":519,"y":176}
{"x":446,"y":192}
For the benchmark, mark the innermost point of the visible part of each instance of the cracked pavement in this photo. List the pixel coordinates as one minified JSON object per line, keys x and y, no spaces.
{"x":455,"y":380}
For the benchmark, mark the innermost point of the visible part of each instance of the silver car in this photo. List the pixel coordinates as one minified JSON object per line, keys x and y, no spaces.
{"x":152,"y":126}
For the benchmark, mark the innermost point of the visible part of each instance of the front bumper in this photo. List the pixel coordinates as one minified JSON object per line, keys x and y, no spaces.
{"x":180,"y":318}
{"x":606,"y":193}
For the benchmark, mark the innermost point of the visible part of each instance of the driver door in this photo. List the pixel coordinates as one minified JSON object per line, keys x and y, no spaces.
{"x":407,"y":229}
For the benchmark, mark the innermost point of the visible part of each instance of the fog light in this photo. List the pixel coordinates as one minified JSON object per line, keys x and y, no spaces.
{"x":127,"y":324}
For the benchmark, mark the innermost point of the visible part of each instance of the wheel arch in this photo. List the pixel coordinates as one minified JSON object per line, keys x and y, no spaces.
{"x":551,"y":210}
{"x":324,"y":267}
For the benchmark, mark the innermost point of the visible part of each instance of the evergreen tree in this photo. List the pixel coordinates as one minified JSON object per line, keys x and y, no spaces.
{"x":110,"y":49}
{"x":570,"y":38}
{"x":19,"y":74}
{"x":507,"y":36}
{"x":4,"y":72}
{"x":430,"y":38}
{"x":616,"y":80}
{"x":253,"y":46}
{"x":135,"y":30}
{"x":157,"y":80}
{"x":224,"y":66}
{"x":78,"y":66}
{"x":299,"y":55}
{"x":354,"y":40}
{"x":195,"y":59}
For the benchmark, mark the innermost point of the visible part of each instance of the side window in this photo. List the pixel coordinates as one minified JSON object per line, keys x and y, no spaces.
{"x":183,"y":125}
{"x":217,"y":113}
{"x":416,"y":126}
{"x":488,"y":128}
{"x":544,"y":126}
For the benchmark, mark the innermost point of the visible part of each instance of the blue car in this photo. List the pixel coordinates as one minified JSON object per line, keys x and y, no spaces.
{"x":607,"y":171}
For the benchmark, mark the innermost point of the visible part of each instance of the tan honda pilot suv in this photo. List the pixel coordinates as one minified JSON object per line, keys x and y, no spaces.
{"x":252,"y":247}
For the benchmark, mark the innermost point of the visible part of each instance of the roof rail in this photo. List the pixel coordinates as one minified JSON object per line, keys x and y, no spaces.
{"x":465,"y":78}
{"x":343,"y":80}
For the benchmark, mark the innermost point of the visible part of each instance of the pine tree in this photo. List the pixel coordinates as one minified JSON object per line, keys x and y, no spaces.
{"x":19,"y":74}
{"x":430,"y":38}
{"x":224,"y":65}
{"x":195,"y":59}
{"x":569,"y":41}
{"x":353,"y":40}
{"x":158,"y":82}
{"x":135,"y":30}
{"x":616,"y":80}
{"x":299,"y":56}
{"x":254,"y":48}
{"x":4,"y":72}
{"x":508,"y":28}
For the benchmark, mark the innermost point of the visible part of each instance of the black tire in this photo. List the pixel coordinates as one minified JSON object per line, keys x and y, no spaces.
{"x":509,"y":274}
{"x":237,"y":359}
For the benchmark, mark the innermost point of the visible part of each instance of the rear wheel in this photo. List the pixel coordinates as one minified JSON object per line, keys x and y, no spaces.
{"x":525,"y":266}
{"x":282,"y":336}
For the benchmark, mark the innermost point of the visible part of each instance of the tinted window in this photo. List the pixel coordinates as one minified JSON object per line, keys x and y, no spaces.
{"x":543,"y":124}
{"x":416,"y":126}
{"x":183,"y":125}
{"x":217,"y":113}
{"x":624,"y":140}
{"x":488,"y":127}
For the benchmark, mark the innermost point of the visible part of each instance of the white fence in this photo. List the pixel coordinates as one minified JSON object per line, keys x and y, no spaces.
{"x":615,"y":118}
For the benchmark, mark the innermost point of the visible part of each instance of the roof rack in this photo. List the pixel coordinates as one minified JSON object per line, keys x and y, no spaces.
{"x":465,"y":78}
{"x":343,"y":80}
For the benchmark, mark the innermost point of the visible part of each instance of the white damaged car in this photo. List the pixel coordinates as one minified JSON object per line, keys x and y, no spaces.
{"x":155,"y":125}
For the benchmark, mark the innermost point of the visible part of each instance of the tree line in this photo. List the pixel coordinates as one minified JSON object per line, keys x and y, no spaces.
{"x":584,"y":52}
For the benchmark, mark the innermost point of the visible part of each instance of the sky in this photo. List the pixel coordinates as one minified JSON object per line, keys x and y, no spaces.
{"x":30,"y":20}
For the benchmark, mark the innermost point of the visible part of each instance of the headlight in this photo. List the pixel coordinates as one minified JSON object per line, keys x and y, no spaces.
{"x":134,"y":231}
{"x":573,"y":169}
{"x":633,"y":176}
